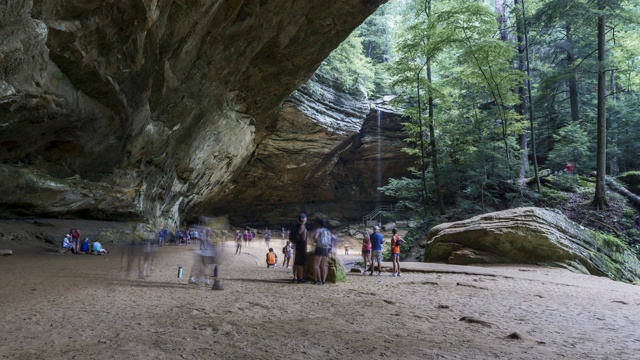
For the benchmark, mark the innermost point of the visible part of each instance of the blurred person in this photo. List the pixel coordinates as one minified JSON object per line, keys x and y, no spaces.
{"x":238,"y":243}
{"x":97,"y":248}
{"x":205,"y":266}
{"x":267,"y":237}
{"x":162,"y":236}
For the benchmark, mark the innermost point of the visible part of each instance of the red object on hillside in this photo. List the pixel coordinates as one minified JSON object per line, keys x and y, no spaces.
{"x":568,"y":168}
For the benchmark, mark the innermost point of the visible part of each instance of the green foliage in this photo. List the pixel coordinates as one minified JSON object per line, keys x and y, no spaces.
{"x":563,"y":182}
{"x":572,"y":145}
{"x":611,"y":243}
{"x":632,"y":181}
{"x":348,"y":67}
{"x":406,"y":191}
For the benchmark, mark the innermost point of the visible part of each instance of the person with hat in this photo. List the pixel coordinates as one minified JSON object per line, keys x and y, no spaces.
{"x":84,"y":247}
{"x":67,"y":244}
{"x":376,"y":249}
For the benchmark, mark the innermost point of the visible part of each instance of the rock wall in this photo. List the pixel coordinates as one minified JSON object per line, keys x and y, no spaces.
{"x":321,"y":158}
{"x":159,"y":104}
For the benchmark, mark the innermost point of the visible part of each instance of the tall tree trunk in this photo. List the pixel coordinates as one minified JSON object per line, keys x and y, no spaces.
{"x":573,"y":81}
{"x":432,"y":132}
{"x":434,"y":149}
{"x":423,"y":162}
{"x":531,"y":125}
{"x":613,"y":162}
{"x":519,"y":108}
{"x":501,"y":17}
{"x":600,"y":200}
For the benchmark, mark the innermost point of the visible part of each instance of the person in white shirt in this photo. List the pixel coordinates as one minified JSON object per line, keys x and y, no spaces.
{"x":67,"y":244}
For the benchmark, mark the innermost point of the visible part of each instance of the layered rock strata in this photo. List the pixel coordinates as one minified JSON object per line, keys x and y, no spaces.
{"x":321,"y":157}
{"x":156,"y":105}
{"x":531,"y":236}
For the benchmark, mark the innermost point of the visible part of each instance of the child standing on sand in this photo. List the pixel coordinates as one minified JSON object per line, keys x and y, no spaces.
{"x":286,"y":250}
{"x":396,"y":241}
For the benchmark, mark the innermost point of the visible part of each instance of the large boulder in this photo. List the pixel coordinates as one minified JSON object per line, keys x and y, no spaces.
{"x":531,"y":236}
{"x":336,"y":272}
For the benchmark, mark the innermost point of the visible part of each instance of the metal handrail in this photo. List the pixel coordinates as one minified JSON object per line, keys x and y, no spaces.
{"x":377,"y":210}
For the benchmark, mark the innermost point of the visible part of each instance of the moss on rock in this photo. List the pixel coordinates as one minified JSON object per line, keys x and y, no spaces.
{"x":533,"y":236}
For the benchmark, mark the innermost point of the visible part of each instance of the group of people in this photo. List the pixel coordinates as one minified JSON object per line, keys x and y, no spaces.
{"x":325,"y":242}
{"x":71,"y":242}
{"x":372,"y":250}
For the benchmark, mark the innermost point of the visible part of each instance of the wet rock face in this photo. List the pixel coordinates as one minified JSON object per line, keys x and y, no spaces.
{"x":320,"y":157}
{"x":162,"y":102}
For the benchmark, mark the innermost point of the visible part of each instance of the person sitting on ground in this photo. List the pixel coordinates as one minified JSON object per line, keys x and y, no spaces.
{"x":84,"y":247}
{"x":97,"y":248}
{"x":67,"y":244}
{"x":272,"y":258}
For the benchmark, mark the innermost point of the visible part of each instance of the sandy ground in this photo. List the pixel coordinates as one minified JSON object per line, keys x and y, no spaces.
{"x":55,"y":306}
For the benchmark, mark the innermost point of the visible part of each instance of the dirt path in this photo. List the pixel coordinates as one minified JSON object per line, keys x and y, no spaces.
{"x":82,"y":307}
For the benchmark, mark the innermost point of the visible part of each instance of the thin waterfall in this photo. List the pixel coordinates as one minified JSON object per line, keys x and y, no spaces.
{"x":379,"y":158}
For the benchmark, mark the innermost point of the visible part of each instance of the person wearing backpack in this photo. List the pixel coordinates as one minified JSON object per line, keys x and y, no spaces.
{"x":324,"y":240}
{"x":396,"y":241}
{"x":286,"y":250}
{"x":272,"y":258}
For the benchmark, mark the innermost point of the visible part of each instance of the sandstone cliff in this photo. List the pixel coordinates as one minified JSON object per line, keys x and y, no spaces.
{"x":531,"y":236}
{"x":148,"y":109}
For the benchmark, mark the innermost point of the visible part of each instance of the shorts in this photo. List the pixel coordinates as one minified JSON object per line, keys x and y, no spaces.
{"x":321,"y":252}
{"x":395,"y":255}
{"x":300,"y":259}
{"x":367,"y":252}
{"x":376,"y":255}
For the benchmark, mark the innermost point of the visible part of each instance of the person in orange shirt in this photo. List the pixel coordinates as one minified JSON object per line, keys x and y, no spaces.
{"x":396,"y":241}
{"x":272,"y":258}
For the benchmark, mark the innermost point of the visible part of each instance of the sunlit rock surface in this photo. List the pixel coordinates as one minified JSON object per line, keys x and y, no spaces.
{"x":531,"y":236}
{"x":156,"y":104}
{"x":320,"y":157}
